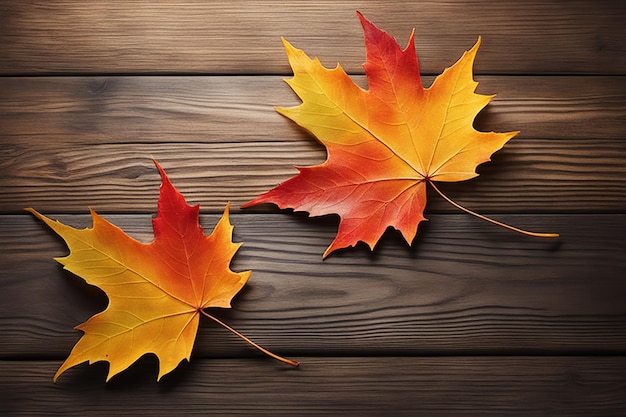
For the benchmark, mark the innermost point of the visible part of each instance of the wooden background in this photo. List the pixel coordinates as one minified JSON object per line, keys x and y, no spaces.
{"x":470,"y":320}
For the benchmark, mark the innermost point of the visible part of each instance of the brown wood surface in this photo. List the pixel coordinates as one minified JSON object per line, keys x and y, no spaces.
{"x":244,"y":36}
{"x":467,"y":287}
{"x":100,"y":133}
{"x":469,"y":320}
{"x":363,"y":386}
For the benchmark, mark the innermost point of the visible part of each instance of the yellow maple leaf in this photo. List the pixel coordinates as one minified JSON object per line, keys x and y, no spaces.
{"x":156,"y":290}
{"x":384,"y":144}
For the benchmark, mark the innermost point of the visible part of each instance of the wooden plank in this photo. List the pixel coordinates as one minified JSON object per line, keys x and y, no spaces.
{"x":363,"y":386}
{"x":244,"y":37}
{"x":466,"y":287}
{"x":205,"y":109}
{"x":529,"y":176}
{"x":461,"y":323}
{"x":73,"y":142}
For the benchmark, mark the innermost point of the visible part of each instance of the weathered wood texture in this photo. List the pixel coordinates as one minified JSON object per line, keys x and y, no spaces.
{"x":363,"y":386}
{"x":455,"y":324}
{"x":73,"y":142}
{"x":244,"y":36}
{"x":467,"y":287}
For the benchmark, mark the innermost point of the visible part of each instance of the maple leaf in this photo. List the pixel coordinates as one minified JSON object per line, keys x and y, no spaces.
{"x":384,"y":144}
{"x":156,"y":291}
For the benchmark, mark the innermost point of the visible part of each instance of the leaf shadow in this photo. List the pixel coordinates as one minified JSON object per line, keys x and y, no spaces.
{"x":140,"y":376}
{"x":328,"y":225}
{"x":81,"y":295}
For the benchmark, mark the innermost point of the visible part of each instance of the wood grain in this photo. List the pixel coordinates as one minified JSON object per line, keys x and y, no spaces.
{"x":229,"y":109}
{"x":470,"y":320}
{"x":363,"y":386}
{"x":466,"y":287}
{"x":243,"y":37}
{"x":533,"y":176}
{"x":73,"y":142}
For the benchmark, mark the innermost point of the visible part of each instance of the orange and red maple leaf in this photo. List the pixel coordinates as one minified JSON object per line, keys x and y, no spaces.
{"x":156,"y":290}
{"x":384,"y":144}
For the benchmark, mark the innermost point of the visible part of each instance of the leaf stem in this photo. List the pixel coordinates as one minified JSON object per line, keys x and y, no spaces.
{"x":262,"y":349}
{"x":480,"y":216}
